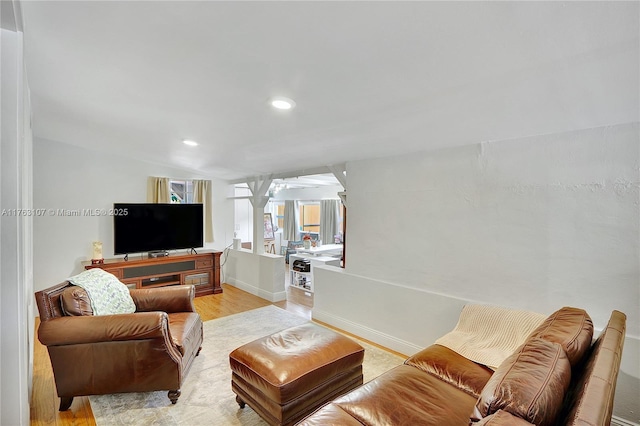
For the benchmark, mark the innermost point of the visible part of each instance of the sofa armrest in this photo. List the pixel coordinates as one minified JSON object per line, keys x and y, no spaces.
{"x":502,"y":418}
{"x":166,"y":299}
{"x":105,"y":328}
{"x":452,"y":368}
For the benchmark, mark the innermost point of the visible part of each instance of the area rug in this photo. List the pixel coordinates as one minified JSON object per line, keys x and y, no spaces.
{"x":206,"y":397}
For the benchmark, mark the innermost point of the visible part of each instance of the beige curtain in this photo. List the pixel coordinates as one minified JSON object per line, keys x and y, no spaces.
{"x":328,"y":220}
{"x":158,"y":190}
{"x":202,"y":195}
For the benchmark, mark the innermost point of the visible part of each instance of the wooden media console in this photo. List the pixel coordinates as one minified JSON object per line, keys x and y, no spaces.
{"x":201,"y":270}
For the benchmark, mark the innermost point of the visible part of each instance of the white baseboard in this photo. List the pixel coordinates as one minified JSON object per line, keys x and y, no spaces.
{"x":242,"y":285}
{"x":272,"y":297}
{"x":617,"y":421}
{"x":267,"y":295}
{"x":359,"y":330}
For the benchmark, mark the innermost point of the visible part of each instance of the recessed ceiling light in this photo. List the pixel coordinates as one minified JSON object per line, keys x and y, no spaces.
{"x":280,"y":102}
{"x":190,"y":142}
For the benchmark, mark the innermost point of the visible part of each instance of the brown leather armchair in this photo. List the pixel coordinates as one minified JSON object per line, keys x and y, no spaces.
{"x":149,"y":350}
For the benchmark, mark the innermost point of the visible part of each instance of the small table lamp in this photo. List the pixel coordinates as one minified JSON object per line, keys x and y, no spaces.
{"x":97,"y":253}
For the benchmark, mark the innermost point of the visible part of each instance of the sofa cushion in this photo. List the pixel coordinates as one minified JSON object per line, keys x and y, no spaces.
{"x":330,"y":414}
{"x":572,"y":328}
{"x":403,"y":395}
{"x":75,"y":302}
{"x":452,"y":368}
{"x":502,"y":418}
{"x":530,"y":384}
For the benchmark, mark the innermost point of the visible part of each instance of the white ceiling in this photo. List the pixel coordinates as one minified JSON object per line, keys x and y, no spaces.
{"x":370,"y":79}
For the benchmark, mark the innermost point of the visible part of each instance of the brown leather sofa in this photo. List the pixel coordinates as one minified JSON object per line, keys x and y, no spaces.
{"x":149,"y":350}
{"x":557,"y":377}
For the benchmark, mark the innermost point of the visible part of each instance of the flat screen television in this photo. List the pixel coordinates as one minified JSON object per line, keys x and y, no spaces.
{"x":156,"y":227}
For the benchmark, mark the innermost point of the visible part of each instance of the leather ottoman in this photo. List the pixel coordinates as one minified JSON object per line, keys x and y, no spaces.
{"x":288,"y":375}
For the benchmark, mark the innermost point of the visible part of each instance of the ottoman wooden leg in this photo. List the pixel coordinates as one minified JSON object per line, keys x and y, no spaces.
{"x":174,"y":395}
{"x":240,"y":402}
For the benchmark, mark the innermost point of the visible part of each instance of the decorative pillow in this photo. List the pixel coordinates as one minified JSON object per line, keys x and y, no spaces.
{"x":75,"y":302}
{"x":107,"y":294}
{"x":572,"y":328}
{"x":530,"y":384}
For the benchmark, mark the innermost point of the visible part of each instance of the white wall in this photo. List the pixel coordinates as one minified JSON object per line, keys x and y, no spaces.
{"x":16,"y":285}
{"x":259,"y":274}
{"x":69,"y":177}
{"x":536,"y":223}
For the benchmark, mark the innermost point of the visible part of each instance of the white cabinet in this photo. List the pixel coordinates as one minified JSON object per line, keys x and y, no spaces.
{"x":304,"y":280}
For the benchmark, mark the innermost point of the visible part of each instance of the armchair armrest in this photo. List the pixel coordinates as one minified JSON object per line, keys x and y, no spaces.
{"x":94,"y":329}
{"x":166,"y":299}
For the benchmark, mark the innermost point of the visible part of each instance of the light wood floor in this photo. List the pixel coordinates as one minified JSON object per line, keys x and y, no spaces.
{"x":45,"y":402}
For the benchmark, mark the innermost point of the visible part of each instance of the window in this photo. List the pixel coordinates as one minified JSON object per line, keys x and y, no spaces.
{"x":243,"y":213}
{"x":181,"y":191}
{"x":280,"y":215}
{"x":310,"y":217}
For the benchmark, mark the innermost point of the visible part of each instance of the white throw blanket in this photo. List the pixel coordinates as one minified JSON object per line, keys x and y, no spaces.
{"x":107,"y":294}
{"x":489,"y":334}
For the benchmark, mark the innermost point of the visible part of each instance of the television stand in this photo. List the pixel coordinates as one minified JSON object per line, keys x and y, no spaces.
{"x":201,"y":270}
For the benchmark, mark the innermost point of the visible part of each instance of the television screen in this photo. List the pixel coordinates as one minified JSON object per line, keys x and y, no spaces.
{"x":154,"y":227}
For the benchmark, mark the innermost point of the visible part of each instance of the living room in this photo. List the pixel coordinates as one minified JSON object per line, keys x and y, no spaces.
{"x":518,"y":188}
